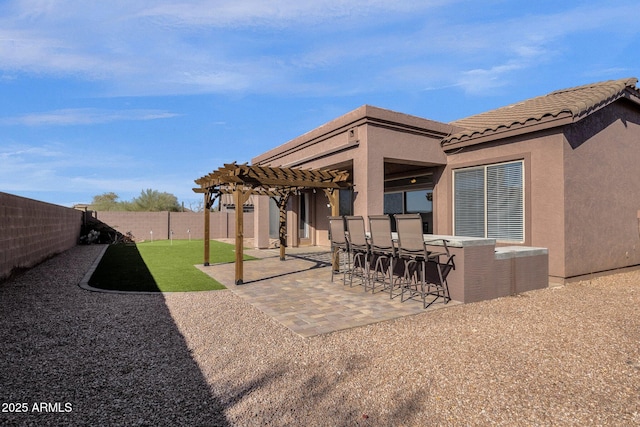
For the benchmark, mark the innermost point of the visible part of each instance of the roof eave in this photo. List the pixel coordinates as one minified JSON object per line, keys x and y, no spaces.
{"x":364,"y":115}
{"x":516,"y":130}
{"x":633,"y":96}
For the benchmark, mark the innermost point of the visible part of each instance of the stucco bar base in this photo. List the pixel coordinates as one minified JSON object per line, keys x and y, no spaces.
{"x":484,"y":271}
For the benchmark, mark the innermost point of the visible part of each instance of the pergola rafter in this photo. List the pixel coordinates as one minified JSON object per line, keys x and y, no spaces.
{"x":276,"y":182}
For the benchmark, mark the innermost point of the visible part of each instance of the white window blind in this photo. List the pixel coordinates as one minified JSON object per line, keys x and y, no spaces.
{"x":469,"y":202}
{"x":489,"y":201}
{"x":505,"y":202}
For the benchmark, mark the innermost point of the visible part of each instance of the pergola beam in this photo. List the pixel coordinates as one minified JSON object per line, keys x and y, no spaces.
{"x":305,"y":183}
{"x":244,"y":180}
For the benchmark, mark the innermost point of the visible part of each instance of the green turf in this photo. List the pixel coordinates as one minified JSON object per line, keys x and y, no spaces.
{"x":160,"y":266}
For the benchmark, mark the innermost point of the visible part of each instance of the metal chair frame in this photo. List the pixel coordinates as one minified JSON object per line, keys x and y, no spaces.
{"x":339,"y":246}
{"x":424,"y":273}
{"x":359,"y":250}
{"x":383,"y":254}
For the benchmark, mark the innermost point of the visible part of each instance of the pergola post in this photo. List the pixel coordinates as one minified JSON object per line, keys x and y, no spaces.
{"x":282,"y":223}
{"x":243,"y":180}
{"x":207,"y":216}
{"x":240,"y":196}
{"x":334,"y":201}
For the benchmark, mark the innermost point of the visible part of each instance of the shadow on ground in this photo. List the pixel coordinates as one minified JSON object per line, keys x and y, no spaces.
{"x":72,"y":357}
{"x":318,"y":260}
{"x":325,"y":391}
{"x":122,"y":268}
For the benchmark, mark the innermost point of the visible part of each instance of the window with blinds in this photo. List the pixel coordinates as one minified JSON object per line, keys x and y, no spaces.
{"x":469,"y":202}
{"x":489,"y":201}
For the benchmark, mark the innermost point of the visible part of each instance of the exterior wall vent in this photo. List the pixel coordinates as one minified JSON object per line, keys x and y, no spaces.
{"x":353,"y":134}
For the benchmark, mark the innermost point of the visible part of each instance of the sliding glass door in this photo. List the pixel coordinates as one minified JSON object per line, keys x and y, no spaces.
{"x":414,"y":201}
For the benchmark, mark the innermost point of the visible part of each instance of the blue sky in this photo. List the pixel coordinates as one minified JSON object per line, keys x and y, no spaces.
{"x":125,"y":95}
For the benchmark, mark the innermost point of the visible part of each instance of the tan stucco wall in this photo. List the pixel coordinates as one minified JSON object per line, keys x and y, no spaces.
{"x":326,"y":138}
{"x":321,"y":225}
{"x":481,"y":274}
{"x":583,"y":190}
{"x":384,"y":144}
{"x":582,"y":180}
{"x":260,"y":222}
{"x":544,"y":189}
{"x":360,"y":141}
{"x":602,"y":175}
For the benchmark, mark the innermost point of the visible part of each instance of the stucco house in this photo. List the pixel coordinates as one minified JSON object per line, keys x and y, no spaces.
{"x":560,"y":171}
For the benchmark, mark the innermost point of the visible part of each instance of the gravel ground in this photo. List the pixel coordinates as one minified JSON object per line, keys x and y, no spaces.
{"x":561,"y":356}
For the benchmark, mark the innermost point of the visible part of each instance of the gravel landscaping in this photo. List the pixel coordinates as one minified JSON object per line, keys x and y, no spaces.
{"x":559,"y":356}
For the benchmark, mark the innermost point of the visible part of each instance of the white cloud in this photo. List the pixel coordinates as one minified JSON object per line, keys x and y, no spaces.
{"x":172,"y":48}
{"x":17,"y":151}
{"x":278,"y":12}
{"x":255,"y":46}
{"x":60,"y":167}
{"x":480,"y":81}
{"x":90,"y":170}
{"x":85,"y":116}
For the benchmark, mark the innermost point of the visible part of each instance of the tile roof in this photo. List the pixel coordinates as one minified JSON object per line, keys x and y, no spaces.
{"x":573,"y":103}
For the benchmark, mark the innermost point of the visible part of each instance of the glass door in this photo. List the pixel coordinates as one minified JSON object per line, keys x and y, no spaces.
{"x":421,"y":201}
{"x":415,"y":201}
{"x":304,"y":218}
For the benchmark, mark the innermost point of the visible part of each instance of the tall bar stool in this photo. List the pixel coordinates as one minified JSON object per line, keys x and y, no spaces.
{"x":424,"y":272}
{"x":340,"y":256}
{"x":359,"y":250}
{"x":383,"y":253}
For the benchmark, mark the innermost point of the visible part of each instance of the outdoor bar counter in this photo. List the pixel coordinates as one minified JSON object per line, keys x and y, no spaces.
{"x":486,"y":271}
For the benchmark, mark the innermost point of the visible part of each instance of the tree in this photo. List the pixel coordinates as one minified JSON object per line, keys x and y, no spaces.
{"x":155,"y":201}
{"x":148,"y":201}
{"x":106,"y":202}
{"x":196,"y":206}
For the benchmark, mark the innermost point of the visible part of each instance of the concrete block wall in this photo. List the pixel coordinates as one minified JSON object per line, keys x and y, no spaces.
{"x":143,"y":225}
{"x":187,"y":224}
{"x":32,"y":231}
{"x":219,"y":223}
{"x":183,"y":224}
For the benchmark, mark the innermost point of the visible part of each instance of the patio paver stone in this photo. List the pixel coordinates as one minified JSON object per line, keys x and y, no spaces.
{"x":299,"y":294}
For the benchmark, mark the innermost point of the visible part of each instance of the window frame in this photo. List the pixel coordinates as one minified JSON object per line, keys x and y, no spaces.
{"x":427,"y":222}
{"x":523,"y":198}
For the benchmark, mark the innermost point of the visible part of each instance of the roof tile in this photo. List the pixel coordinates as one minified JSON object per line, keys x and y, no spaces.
{"x":574,"y":102}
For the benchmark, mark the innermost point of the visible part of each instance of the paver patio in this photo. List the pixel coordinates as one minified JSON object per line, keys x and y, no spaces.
{"x":299,"y":294}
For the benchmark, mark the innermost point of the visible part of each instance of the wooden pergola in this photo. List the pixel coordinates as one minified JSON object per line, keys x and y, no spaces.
{"x":276,"y":182}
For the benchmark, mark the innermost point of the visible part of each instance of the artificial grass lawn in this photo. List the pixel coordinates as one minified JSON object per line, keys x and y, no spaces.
{"x":160,"y":266}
